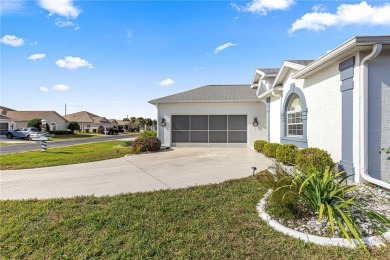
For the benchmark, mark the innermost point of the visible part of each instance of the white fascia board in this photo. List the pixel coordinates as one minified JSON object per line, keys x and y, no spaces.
{"x":348,"y":48}
{"x":284,"y":71}
{"x":204,"y":101}
{"x":256,"y":79}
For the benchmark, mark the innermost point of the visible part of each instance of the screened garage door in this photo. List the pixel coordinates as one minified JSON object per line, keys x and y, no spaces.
{"x":209,"y":129}
{"x":3,"y":128}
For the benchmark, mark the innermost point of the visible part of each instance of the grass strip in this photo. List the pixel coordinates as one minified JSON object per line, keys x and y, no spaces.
{"x":206,"y":222}
{"x":63,"y":155}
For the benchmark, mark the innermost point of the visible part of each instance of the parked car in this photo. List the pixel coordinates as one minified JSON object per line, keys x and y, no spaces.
{"x":27,"y":133}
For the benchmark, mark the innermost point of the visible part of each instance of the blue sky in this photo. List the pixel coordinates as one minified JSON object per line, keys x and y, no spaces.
{"x":111,"y":57}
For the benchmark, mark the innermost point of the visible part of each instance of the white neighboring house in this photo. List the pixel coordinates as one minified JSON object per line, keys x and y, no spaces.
{"x":339,"y":102}
{"x":18,"y":119}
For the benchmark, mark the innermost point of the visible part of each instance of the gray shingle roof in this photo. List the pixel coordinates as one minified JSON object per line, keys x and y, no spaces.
{"x":301,"y":62}
{"x":269,"y":70}
{"x":212,"y":93}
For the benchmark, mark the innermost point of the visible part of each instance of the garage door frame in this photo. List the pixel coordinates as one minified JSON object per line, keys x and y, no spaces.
{"x":209,"y":131}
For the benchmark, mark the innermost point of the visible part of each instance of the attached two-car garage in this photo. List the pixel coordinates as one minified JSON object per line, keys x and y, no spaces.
{"x":209,"y":129}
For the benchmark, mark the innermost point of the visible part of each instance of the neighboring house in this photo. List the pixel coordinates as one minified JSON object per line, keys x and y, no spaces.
{"x":21,"y":118}
{"x":5,"y":124}
{"x":89,"y":122}
{"x":339,"y":102}
{"x":120,"y":124}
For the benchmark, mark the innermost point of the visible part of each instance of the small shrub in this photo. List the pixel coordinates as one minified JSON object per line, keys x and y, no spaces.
{"x":147,"y":144}
{"x":269,"y":149}
{"x":127,"y":143}
{"x":149,"y":133}
{"x":74,"y":126}
{"x":36,"y":122}
{"x":313,"y":157}
{"x":86,"y":130}
{"x":100,"y":130}
{"x":259,"y":145}
{"x":65,"y":132}
{"x":286,"y":154}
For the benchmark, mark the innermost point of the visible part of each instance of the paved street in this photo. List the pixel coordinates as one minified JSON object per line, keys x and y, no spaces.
{"x":177,"y":168}
{"x":36,"y":145}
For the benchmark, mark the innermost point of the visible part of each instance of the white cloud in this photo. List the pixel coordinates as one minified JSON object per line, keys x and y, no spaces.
{"x":166,"y":82}
{"x":43,"y":89}
{"x":60,"y":87}
{"x":346,"y":14}
{"x":64,"y":8}
{"x":67,"y":23}
{"x":262,"y":7}
{"x":11,"y":5}
{"x":12,"y":40}
{"x":224,"y":46}
{"x":319,"y":8}
{"x":70,"y":62}
{"x":36,"y":56}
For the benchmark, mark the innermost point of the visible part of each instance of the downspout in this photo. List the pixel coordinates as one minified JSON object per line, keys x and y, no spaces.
{"x":364,"y":116}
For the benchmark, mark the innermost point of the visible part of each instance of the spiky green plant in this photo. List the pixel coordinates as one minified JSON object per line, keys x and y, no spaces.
{"x":326,"y":193}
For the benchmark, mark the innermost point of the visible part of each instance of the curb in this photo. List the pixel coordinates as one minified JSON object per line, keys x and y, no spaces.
{"x":326,"y":241}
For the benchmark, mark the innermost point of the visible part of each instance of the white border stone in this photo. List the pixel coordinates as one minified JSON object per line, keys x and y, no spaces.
{"x":369,"y":241}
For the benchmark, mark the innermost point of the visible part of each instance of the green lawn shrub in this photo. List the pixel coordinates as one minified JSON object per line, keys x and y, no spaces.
{"x":64,"y":132}
{"x":259,"y":145}
{"x":148,"y":133}
{"x":313,"y":158}
{"x":287,"y":153}
{"x":269,"y":149}
{"x":147,"y":144}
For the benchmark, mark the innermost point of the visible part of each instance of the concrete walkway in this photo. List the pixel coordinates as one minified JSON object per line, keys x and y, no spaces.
{"x":178,"y":168}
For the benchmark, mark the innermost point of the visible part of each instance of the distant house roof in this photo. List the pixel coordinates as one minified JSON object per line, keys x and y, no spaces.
{"x":4,"y":110}
{"x":301,"y":62}
{"x":211,"y":93}
{"x":28,"y":115}
{"x":86,"y":117}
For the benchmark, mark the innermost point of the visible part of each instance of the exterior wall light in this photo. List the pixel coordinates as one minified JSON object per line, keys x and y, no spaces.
{"x":255,"y":123}
{"x":163,"y":122}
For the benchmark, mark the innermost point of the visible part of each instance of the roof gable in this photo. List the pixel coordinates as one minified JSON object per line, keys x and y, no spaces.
{"x":86,"y":117}
{"x":28,"y":115}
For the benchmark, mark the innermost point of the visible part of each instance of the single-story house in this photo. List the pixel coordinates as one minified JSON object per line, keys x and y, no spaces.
{"x":339,"y":102}
{"x":120,"y":124}
{"x":89,"y":122}
{"x":20,"y":119}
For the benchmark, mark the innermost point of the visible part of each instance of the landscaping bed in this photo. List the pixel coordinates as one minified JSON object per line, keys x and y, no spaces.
{"x":207,"y":222}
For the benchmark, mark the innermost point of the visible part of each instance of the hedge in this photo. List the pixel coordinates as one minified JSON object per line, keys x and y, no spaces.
{"x":65,"y":132}
{"x":286,"y":154}
{"x":147,"y":144}
{"x":313,"y":157}
{"x":269,"y":149}
{"x":259,"y":145}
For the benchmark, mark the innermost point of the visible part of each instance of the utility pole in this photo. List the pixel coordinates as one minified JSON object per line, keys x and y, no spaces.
{"x":65,"y":108}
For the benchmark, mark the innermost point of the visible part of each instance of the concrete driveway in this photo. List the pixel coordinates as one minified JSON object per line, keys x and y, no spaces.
{"x":178,"y":168}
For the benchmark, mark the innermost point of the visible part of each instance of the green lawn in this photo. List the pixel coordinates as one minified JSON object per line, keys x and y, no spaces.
{"x":207,"y":222}
{"x":64,"y":155}
{"x":9,"y":143}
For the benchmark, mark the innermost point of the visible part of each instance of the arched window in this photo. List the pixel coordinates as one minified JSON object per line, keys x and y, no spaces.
{"x":53,"y":126}
{"x":294,"y":118}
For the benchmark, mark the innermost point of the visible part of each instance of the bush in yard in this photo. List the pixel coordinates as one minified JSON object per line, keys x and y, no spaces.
{"x":313,"y":157}
{"x":269,"y":149}
{"x":286,"y":154}
{"x":100,"y":129}
{"x":36,"y":122}
{"x":60,"y":132}
{"x":259,"y":145}
{"x":147,"y":144}
{"x":74,"y":126}
{"x":148,"y":133}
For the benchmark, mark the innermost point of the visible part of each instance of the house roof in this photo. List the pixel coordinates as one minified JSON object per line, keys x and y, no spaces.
{"x":263,"y":73}
{"x":3,"y":117}
{"x":301,"y":62}
{"x":341,"y":52}
{"x":28,"y":115}
{"x":4,"y":110}
{"x":86,"y":117}
{"x":211,"y":93}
